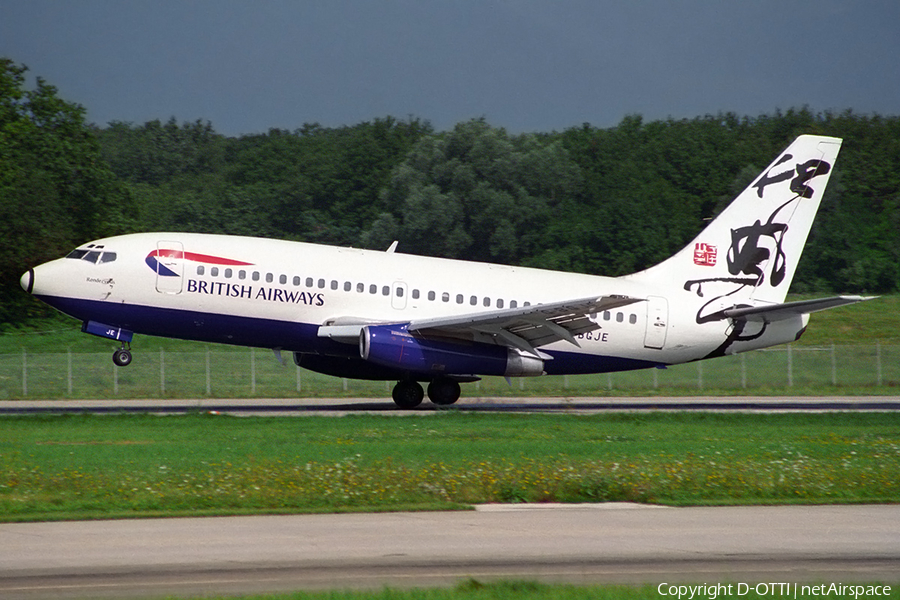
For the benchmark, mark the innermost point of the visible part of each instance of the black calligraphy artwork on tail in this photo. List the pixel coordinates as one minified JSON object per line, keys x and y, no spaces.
{"x":756,"y":255}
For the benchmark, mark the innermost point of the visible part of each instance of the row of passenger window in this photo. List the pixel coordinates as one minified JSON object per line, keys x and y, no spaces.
{"x":386,"y":290}
{"x":361,"y":288}
{"x":620,"y":317}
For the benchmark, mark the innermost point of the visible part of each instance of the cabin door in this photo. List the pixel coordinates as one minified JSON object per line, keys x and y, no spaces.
{"x":169,"y":267}
{"x":657,"y":318}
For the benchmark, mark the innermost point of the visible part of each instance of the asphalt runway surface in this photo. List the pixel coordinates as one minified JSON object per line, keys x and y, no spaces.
{"x":341,"y":406}
{"x":600,"y":543}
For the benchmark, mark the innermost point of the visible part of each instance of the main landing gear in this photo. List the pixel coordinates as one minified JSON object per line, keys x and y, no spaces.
{"x":408,"y":394}
{"x":122,"y":356}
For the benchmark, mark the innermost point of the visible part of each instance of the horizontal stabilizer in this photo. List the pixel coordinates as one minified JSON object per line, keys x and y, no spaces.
{"x":778,"y":312}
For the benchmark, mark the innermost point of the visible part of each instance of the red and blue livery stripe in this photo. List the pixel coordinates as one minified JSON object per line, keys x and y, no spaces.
{"x":160,"y":269}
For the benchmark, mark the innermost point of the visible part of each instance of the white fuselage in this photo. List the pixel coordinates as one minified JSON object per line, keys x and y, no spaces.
{"x":276,"y":294}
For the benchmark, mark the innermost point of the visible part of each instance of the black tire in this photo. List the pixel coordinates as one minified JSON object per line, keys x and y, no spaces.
{"x":122,"y":358}
{"x":408,"y":394}
{"x":443,"y":391}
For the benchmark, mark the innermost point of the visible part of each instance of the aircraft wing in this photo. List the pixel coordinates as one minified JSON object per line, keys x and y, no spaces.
{"x":778,"y":312}
{"x":525,"y":328}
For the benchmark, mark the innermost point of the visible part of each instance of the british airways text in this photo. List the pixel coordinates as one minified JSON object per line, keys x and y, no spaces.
{"x":272,"y":294}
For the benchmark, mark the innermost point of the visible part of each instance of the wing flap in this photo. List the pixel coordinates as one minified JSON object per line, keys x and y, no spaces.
{"x":525,"y":328}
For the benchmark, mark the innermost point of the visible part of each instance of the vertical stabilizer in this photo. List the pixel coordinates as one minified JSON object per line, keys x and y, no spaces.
{"x":754,"y":245}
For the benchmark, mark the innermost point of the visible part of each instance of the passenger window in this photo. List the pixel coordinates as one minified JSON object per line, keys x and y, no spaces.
{"x":473,"y":300}
{"x":214,"y":272}
{"x":321,"y":284}
{"x":487,"y":301}
{"x":459,"y":298}
{"x":373,"y":289}
{"x":399,"y":291}
{"x":269,"y":278}
{"x":309,"y":282}
{"x":201,"y":269}
{"x":228,"y":273}
{"x":347,"y":286}
{"x":632,"y":319}
{"x":282,"y":279}
{"x":415,"y":294}
{"x":386,"y":290}
{"x":255,"y":276}
{"x":606,"y":315}
{"x":242,"y":274}
{"x":499,"y":303}
{"x":334,"y":284}
{"x":513,"y":304}
{"x":296,"y":281}
{"x":619,"y":317}
{"x":527,"y":304}
{"x":445,"y":297}
{"x":431,"y":295}
{"x":360,"y":287}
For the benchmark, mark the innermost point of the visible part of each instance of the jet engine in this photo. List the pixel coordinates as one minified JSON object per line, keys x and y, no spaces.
{"x":394,"y":347}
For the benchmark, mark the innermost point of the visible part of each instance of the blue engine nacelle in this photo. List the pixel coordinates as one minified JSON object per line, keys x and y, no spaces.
{"x":394,"y":347}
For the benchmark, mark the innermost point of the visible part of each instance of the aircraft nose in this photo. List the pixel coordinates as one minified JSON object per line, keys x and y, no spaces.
{"x":27,"y":281}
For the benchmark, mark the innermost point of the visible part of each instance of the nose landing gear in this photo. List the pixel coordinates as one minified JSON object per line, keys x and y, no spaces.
{"x":122,"y":356}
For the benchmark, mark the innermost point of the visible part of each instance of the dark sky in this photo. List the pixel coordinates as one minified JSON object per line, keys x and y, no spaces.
{"x":524,"y":65}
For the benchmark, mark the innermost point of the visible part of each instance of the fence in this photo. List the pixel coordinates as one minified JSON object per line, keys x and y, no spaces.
{"x":249,"y":373}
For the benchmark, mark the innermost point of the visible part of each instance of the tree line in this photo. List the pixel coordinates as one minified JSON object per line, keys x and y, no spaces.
{"x":606,"y":201}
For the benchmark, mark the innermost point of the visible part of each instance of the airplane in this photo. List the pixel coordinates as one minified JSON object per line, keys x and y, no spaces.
{"x":412,"y":319}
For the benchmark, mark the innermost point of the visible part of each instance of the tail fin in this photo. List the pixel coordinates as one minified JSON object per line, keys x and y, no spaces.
{"x":755,"y":243}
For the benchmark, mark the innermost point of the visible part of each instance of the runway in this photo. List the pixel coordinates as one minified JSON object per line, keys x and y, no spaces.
{"x":621,"y":543}
{"x":341,"y":406}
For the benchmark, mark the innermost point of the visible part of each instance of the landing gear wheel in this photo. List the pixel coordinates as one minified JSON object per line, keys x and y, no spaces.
{"x":122,"y":357}
{"x":443,"y":391}
{"x":408,"y":394}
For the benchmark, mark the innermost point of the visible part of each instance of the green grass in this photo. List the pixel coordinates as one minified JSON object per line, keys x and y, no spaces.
{"x":125,"y":466}
{"x":245,"y":373}
{"x":876,"y":320}
{"x":529,"y":590}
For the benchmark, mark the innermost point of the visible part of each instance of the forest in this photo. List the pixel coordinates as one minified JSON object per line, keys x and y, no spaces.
{"x":605,"y":201}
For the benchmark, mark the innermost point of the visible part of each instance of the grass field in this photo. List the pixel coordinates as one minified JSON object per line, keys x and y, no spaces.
{"x":118,"y":466}
{"x":527,"y":590}
{"x":243,"y":372}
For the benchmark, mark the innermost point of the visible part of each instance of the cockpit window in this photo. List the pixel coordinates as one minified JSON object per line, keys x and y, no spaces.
{"x":92,"y":256}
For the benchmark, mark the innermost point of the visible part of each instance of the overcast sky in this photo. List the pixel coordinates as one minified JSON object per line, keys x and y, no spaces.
{"x":526,"y":65}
